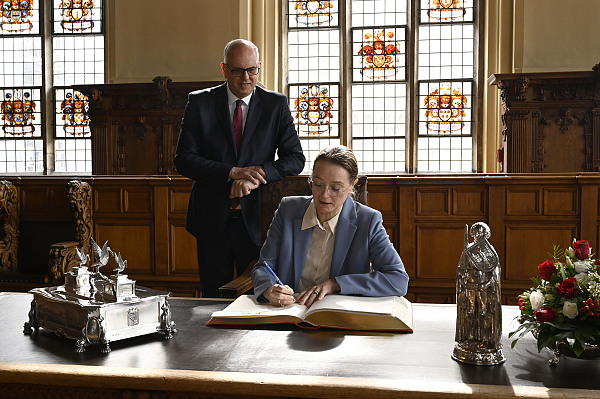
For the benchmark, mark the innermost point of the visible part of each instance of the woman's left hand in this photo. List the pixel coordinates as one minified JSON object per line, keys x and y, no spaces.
{"x":317,"y":292}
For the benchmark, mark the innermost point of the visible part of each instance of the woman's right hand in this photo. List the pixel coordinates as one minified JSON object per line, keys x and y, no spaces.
{"x":280,"y":295}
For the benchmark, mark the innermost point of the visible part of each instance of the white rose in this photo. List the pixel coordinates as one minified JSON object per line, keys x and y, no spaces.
{"x":581,"y":277}
{"x":570,"y":309}
{"x":537,"y":300}
{"x":581,"y":266}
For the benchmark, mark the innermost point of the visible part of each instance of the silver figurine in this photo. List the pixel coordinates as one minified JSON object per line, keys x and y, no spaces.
{"x":478,"y":306}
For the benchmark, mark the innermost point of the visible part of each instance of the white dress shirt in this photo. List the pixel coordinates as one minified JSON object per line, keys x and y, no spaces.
{"x":320,"y":251}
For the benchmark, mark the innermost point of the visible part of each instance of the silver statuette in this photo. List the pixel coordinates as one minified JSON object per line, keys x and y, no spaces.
{"x":478,"y":307}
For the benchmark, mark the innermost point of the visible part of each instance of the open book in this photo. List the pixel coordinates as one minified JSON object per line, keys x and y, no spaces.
{"x":391,"y":313}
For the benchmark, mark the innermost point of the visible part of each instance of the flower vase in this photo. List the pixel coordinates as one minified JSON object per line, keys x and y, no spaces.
{"x":590,"y":352}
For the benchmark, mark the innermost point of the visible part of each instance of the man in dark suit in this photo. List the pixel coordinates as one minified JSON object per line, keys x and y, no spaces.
{"x":228,"y":148}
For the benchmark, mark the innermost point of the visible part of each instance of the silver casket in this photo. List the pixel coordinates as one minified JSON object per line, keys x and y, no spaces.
{"x":96,"y":310}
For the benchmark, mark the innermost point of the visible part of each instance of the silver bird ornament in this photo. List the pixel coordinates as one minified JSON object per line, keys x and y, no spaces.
{"x":121,"y":264}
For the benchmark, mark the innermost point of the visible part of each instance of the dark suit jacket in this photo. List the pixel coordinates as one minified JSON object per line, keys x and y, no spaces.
{"x":206,"y":153}
{"x":364,"y":261}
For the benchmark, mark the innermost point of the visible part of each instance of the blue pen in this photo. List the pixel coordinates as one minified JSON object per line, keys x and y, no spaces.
{"x":273,"y":273}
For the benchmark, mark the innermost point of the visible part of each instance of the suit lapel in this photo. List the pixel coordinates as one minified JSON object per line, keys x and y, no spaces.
{"x":223,"y":116}
{"x":344,"y":233}
{"x":301,"y":243}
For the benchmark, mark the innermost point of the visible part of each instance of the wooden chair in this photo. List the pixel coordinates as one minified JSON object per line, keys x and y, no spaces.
{"x":271,"y":195}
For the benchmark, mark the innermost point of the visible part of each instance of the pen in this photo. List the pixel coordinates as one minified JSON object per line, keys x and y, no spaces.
{"x":273,"y":273}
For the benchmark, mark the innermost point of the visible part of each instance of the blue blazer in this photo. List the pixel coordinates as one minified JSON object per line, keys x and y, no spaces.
{"x":206,"y":153}
{"x":361,"y":242}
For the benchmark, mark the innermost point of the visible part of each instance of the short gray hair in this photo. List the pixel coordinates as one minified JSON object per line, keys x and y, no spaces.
{"x":238,"y":42}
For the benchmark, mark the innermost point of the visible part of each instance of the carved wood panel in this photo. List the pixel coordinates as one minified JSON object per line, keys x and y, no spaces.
{"x":135,"y":126}
{"x":550,"y":121}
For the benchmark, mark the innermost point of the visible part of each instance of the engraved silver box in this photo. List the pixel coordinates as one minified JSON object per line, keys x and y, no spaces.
{"x":96,"y":310}
{"x":90,"y":323}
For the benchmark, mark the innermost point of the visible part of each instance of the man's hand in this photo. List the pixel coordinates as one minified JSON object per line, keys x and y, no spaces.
{"x":255,"y":174}
{"x":240,"y":188}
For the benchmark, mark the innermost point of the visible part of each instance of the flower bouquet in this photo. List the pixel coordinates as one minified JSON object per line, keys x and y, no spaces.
{"x":563,"y":307}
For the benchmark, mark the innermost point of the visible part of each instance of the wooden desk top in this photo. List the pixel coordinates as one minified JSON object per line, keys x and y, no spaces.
{"x":284,"y":361}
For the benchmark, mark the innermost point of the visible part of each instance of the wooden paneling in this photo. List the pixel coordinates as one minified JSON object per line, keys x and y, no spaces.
{"x":144,"y":219}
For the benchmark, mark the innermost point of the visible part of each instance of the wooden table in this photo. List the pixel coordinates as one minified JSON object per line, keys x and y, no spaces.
{"x":282,"y":361}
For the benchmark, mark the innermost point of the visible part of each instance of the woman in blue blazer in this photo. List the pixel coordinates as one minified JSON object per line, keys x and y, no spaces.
{"x":327,"y":243}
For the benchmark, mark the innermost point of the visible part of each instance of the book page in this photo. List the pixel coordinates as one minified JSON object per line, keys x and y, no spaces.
{"x":248,"y":306}
{"x":362,"y":313}
{"x":355,"y":304}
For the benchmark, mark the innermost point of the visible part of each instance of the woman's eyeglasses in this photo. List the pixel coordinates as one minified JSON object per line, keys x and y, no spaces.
{"x":240,"y":71}
{"x":335,"y":190}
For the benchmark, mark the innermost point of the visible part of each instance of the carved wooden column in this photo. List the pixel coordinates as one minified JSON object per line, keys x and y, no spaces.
{"x":63,"y":255}
{"x":551,"y":121}
{"x":9,"y":217}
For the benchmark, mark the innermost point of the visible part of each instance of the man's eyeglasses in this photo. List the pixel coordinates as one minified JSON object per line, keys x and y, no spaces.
{"x":335,"y":190}
{"x":240,"y":71}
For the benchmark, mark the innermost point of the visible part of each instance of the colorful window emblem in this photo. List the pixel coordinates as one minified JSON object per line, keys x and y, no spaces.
{"x":77,"y":14}
{"x":379,"y":52}
{"x":75,"y":113}
{"x":446,"y":10}
{"x":445,"y":110}
{"x":17,"y":113}
{"x":313,"y":110}
{"x":313,"y":13}
{"x":15,"y":15}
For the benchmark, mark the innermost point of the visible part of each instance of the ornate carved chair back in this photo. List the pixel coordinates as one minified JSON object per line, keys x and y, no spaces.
{"x":9,"y":225}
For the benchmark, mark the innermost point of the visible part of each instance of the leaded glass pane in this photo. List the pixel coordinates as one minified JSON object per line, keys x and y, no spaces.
{"x":78,"y":60}
{"x":20,"y":113}
{"x":445,"y":108}
{"x":379,"y":54}
{"x":379,"y":126}
{"x":72,"y":155}
{"x":380,"y":155}
{"x":21,"y":156}
{"x":303,"y":14}
{"x":313,"y":56}
{"x":20,"y":61}
{"x":311,"y":146}
{"x":446,"y":11}
{"x":77,"y":16}
{"x":446,"y":52}
{"x":315,"y":109}
{"x":445,"y":154}
{"x":20,"y":17}
{"x":379,"y":12}
{"x":72,"y":114}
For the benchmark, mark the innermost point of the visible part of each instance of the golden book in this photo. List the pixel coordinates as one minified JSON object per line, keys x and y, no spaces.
{"x":391,"y":313}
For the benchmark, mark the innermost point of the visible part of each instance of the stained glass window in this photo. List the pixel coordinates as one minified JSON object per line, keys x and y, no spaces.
{"x":314,"y":72}
{"x":78,"y":59}
{"x":404,"y":75}
{"x":75,"y":55}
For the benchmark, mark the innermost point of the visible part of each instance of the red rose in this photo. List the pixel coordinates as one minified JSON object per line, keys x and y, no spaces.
{"x":582,"y":249}
{"x":545,"y":314}
{"x":568,"y":288}
{"x":547,"y":269}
